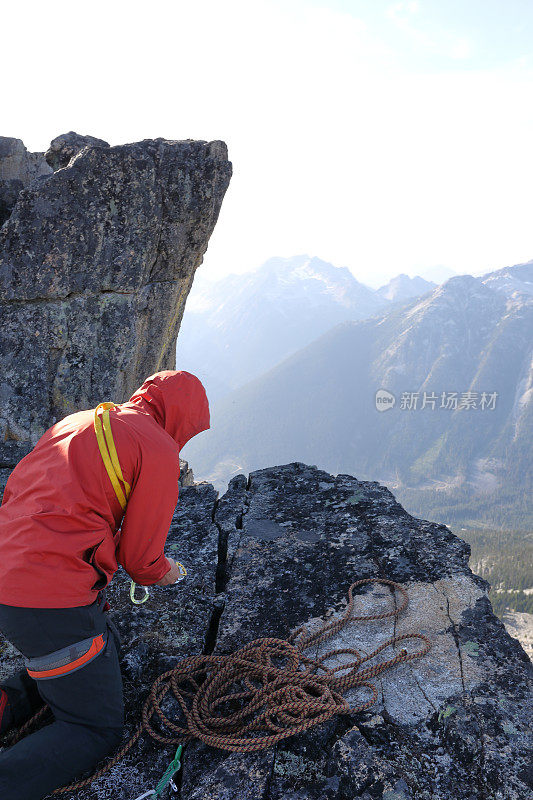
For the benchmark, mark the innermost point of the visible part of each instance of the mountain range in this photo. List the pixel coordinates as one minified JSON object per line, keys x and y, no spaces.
{"x":236,"y":328}
{"x":459,"y":452}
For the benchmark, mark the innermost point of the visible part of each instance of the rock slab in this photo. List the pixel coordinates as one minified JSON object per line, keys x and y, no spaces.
{"x":278,"y":551}
{"x":96,"y":262}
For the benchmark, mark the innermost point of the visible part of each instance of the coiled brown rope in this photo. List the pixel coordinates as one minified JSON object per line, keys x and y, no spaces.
{"x":264,"y":692}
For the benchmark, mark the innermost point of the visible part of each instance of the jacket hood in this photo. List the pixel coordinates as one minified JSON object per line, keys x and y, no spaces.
{"x":177,"y":401}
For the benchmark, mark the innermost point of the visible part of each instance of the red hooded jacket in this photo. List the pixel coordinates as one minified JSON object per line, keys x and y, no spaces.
{"x":62,"y":529}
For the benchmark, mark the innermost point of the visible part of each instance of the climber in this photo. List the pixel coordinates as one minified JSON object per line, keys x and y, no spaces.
{"x":63,"y":533}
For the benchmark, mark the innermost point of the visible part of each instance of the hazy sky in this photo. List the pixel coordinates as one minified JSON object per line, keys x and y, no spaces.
{"x":382,"y":136}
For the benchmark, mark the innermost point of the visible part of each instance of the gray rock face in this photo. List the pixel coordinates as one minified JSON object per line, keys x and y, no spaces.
{"x":18,"y":168}
{"x":186,"y":474}
{"x":280,"y":551}
{"x":96,"y":262}
{"x":63,"y":148}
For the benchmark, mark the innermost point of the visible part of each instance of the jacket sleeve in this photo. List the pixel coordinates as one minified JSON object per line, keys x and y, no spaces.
{"x":147,"y":519}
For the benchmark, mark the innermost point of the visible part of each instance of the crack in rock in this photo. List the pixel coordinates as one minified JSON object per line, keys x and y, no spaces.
{"x":436,"y":732}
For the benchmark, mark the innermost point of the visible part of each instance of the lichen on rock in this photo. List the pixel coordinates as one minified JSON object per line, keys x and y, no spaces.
{"x":453,"y":725}
{"x":18,"y":168}
{"x":96,"y":262}
{"x":97,"y":254}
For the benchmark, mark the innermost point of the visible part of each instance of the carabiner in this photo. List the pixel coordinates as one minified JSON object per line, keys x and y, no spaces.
{"x":151,"y":793}
{"x":138,"y":603}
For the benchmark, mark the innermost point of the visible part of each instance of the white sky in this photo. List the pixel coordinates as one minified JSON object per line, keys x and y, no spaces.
{"x":382,"y":136}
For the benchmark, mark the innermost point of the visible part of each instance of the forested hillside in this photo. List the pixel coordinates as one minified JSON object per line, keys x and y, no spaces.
{"x":505,"y":560}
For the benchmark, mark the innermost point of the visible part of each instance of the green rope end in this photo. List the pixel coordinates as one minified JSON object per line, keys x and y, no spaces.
{"x":170,"y":771}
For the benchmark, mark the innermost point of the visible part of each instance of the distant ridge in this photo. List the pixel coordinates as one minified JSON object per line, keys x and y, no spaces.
{"x":402,"y":287}
{"x":236,"y":328}
{"x":468,"y":335}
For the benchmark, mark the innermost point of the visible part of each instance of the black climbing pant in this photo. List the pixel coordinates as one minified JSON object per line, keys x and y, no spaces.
{"x":87,"y":705}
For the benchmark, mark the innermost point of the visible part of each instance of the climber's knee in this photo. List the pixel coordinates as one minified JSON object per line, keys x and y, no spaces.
{"x":107,"y":740}
{"x":114,"y":738}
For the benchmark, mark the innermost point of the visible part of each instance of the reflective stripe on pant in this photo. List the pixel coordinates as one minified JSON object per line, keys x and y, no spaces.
{"x":67,"y":660}
{"x":87,"y":703}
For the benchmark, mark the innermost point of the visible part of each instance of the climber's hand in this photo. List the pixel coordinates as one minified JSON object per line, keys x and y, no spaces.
{"x":173,"y":575}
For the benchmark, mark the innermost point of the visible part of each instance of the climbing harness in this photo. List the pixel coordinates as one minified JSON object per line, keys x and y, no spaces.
{"x":67,"y":660}
{"x":108,"y":451}
{"x":264,"y":692}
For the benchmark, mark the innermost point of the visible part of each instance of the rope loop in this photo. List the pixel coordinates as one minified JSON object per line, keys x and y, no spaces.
{"x":267,"y":690}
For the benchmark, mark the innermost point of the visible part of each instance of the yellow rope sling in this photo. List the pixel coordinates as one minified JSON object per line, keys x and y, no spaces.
{"x":110,"y":456}
{"x":108,"y":451}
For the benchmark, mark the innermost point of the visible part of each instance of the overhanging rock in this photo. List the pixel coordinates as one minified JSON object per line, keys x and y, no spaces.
{"x":96,"y":262}
{"x":279,"y":551}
